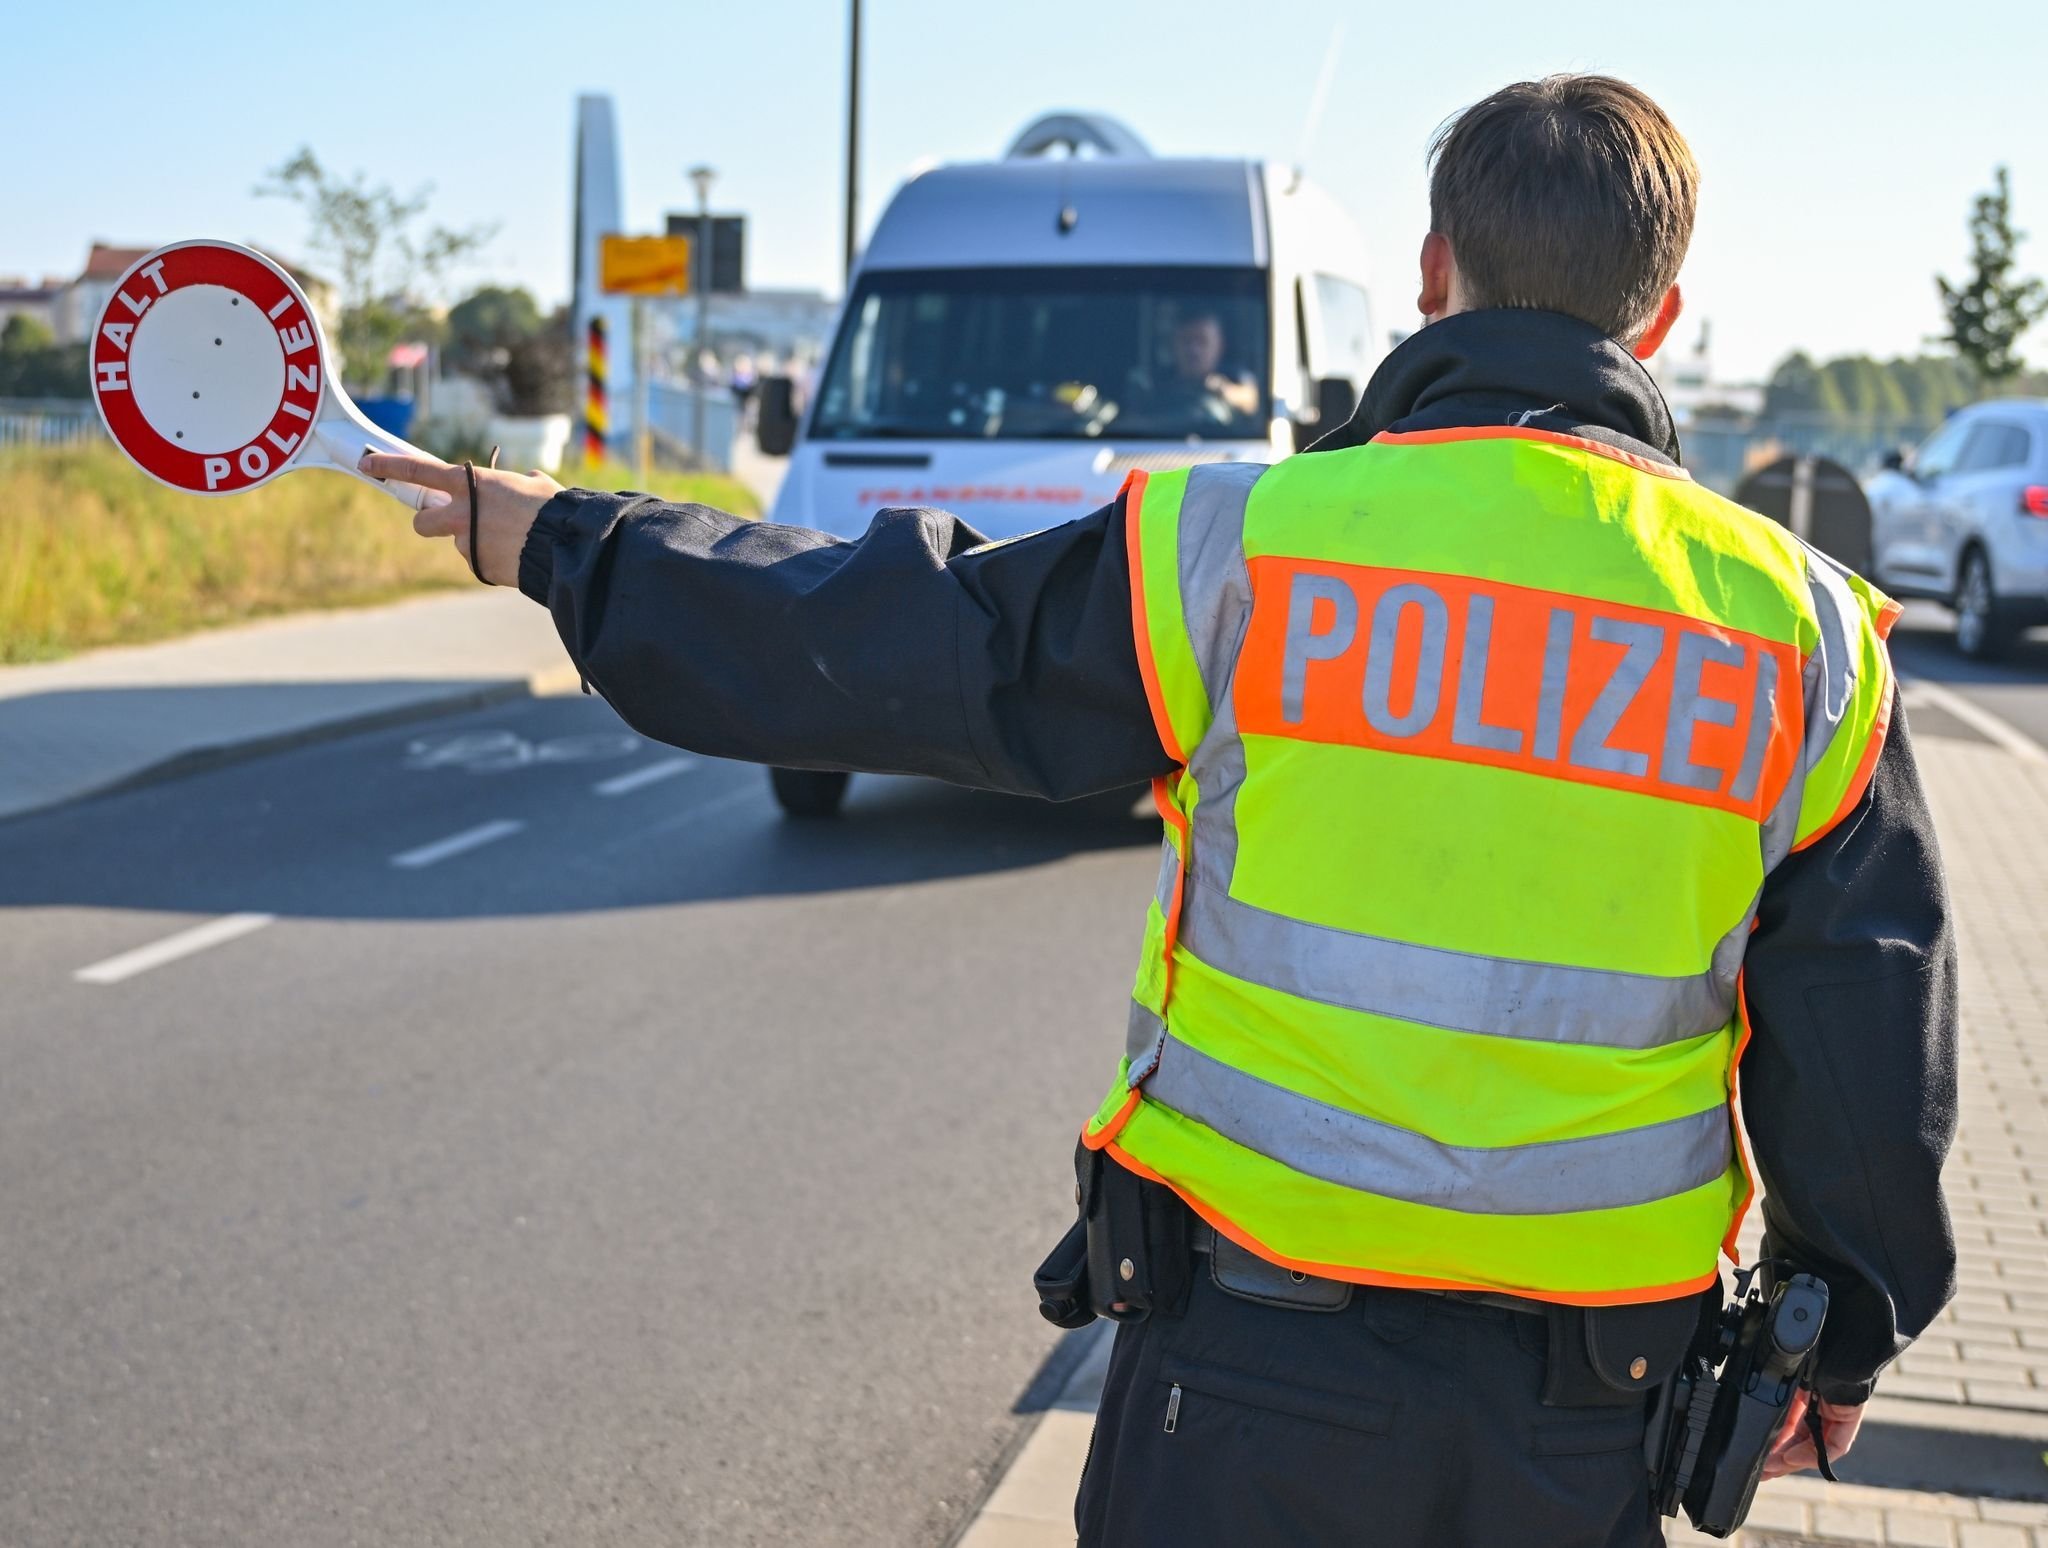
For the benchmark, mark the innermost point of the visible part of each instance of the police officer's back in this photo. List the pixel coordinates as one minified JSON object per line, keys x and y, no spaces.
{"x":1516,"y":790}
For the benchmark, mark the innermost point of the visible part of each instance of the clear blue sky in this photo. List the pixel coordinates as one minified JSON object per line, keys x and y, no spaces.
{"x":1840,"y":146}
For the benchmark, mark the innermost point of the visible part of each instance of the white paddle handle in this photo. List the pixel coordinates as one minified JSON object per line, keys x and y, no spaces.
{"x":345,"y":437}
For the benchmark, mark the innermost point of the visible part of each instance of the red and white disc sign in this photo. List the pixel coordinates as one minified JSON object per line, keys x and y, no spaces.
{"x":207,"y":367}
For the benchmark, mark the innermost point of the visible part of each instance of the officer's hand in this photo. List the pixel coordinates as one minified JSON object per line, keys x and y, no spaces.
{"x":506,"y":505}
{"x":1792,"y":1452}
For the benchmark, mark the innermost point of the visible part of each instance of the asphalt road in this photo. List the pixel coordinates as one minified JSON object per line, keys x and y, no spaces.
{"x":540,"y":1141}
{"x":655,"y":1171}
{"x":1923,"y":646}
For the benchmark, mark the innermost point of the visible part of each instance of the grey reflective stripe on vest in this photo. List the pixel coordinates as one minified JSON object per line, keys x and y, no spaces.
{"x":1835,"y":610}
{"x":1461,"y":992}
{"x":1144,"y":1036}
{"x":1826,"y":689}
{"x":1216,"y":600}
{"x":1781,"y":822}
{"x":1604,"y":1171}
{"x":1169,"y":872}
{"x":1215,"y":585}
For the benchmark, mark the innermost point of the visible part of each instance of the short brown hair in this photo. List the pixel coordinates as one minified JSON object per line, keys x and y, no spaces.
{"x":1571,"y":194}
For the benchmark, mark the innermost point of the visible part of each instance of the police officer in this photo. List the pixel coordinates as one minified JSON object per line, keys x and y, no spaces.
{"x":1517,"y":793}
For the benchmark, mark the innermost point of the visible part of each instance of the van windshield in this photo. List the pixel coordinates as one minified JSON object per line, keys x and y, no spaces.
{"x":1050,"y":354}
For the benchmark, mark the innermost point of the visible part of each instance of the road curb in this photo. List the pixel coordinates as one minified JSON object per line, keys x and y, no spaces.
{"x":199,"y":760}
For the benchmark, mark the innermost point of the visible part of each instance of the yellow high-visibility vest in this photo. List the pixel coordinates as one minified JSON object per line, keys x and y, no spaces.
{"x":1488,"y":739}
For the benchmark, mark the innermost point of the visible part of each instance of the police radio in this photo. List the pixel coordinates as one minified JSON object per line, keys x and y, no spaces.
{"x":1719,"y":1416}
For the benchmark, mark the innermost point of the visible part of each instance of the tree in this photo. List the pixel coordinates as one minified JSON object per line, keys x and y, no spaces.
{"x":1828,"y":400}
{"x":1909,"y":393}
{"x":1933,"y":384}
{"x":483,"y":327}
{"x":499,"y":336}
{"x":1794,"y":386}
{"x":540,"y":376}
{"x":384,"y":263}
{"x":34,"y":365}
{"x":1988,"y":314}
{"x":1866,"y":389}
{"x":25,"y":335}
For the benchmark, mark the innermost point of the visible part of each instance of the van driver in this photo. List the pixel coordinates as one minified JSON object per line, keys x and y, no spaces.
{"x":1200,"y":386}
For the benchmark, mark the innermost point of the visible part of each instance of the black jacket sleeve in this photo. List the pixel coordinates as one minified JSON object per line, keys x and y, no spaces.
{"x":918,"y":649}
{"x":1849,"y":1080}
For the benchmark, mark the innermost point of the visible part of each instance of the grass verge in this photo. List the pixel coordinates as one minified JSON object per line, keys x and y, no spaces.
{"x":94,"y":553}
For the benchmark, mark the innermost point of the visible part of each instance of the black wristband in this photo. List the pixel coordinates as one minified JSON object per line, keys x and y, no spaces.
{"x":475,"y":563}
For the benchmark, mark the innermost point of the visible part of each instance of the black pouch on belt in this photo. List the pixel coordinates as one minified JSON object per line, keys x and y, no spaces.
{"x":1062,"y":1281}
{"x":1614,"y":1354}
{"x":1138,"y":1251}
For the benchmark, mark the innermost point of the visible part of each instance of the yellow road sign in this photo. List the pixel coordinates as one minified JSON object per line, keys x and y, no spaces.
{"x":644,"y":265}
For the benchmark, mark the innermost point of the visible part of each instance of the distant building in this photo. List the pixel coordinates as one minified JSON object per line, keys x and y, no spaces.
{"x":76,"y":306}
{"x":86,"y":295}
{"x":1686,"y":378}
{"x":783,"y":324}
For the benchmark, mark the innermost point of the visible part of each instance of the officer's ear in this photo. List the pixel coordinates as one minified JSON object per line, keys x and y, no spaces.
{"x":1660,"y":325}
{"x":1439,"y":278}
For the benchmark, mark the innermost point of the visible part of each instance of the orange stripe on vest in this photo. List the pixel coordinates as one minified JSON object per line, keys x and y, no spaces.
{"x":1444,"y":666}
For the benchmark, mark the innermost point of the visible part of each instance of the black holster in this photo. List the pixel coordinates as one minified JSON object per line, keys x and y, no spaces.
{"x":1127,"y":1256}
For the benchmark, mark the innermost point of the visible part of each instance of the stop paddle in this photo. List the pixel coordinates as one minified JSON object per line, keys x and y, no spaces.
{"x":212,"y":375}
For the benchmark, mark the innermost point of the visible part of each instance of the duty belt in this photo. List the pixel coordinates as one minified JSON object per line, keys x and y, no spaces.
{"x":1250,"y":1277}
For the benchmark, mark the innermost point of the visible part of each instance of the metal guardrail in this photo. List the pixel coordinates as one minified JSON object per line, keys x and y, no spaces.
{"x":48,"y":422}
{"x":669,"y":405}
{"x":1720,"y":451}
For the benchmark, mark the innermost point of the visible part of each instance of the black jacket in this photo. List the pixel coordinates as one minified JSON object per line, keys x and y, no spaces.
{"x":1012,"y":667}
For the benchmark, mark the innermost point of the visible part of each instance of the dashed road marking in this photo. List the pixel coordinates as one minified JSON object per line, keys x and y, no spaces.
{"x":457,"y":844}
{"x":215,"y":932}
{"x":1991,"y":727}
{"x":623,"y":784}
{"x":500,"y":751}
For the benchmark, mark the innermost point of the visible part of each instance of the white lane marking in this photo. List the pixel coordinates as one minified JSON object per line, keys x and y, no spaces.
{"x":622,"y":784}
{"x":457,"y":844}
{"x":214,"y":932}
{"x":1976,"y":717}
{"x":497,"y":752}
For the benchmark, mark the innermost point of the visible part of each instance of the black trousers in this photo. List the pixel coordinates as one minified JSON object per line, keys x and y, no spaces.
{"x":1404,"y":1420}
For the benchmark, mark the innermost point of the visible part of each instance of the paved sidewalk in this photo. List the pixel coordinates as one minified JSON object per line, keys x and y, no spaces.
{"x":1982,"y":1369}
{"x":110,"y":717}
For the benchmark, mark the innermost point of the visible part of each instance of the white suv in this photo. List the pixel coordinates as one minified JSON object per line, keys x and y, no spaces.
{"x":1964,"y":520}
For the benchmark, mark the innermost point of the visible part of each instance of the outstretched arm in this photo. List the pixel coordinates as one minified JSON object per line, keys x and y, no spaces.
{"x":915,"y":649}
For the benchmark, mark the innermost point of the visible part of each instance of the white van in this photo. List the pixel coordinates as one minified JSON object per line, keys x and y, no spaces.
{"x":1020,"y":335}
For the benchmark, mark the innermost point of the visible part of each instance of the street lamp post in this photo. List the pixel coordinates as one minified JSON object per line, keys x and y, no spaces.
{"x":700,"y":281}
{"x":852,"y":139}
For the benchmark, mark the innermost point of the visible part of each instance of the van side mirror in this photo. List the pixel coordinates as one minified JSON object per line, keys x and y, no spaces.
{"x":775,"y":418}
{"x":1336,"y":399}
{"x":1894,"y":461}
